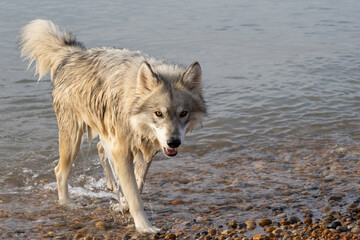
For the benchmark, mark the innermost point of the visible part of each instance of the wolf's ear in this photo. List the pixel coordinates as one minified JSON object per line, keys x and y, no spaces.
{"x":192,"y":78}
{"x":146,"y":79}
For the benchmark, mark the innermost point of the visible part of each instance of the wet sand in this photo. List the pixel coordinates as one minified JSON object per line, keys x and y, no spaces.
{"x":285,"y":193}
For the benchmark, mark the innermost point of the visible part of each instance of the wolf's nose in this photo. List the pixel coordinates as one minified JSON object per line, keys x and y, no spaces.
{"x":173,"y":142}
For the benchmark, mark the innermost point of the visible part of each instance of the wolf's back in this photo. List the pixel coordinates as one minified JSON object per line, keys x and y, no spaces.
{"x":42,"y":41}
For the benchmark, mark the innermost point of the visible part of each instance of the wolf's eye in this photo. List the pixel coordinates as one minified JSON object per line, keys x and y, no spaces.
{"x":158,"y":114}
{"x":183,"y":113}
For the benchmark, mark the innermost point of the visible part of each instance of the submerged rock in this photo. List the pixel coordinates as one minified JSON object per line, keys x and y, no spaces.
{"x":265,"y":222}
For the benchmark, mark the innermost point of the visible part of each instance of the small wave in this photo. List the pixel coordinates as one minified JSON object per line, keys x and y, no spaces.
{"x":82,"y":191}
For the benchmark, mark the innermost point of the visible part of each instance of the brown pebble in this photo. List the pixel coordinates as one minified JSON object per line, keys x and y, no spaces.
{"x":177,"y":202}
{"x":248,"y":207}
{"x":170,"y":236}
{"x":328,"y":219}
{"x":308,"y":212}
{"x":356,"y":229}
{"x":83,"y":231}
{"x":335,"y":198}
{"x":353,"y":205}
{"x":315,"y":234}
{"x":308,"y":221}
{"x":284,"y":222}
{"x":250,"y":224}
{"x":100,"y":225}
{"x":325,"y":209}
{"x":226,"y":232}
{"x":48,"y":234}
{"x":265,"y":222}
{"x":88,"y":237}
{"x":78,"y":235}
{"x":270,"y":229}
{"x":232,"y":224}
{"x":257,"y":237}
{"x":212,"y":231}
{"x":326,"y":232}
{"x":202,"y":219}
{"x":277,"y":232}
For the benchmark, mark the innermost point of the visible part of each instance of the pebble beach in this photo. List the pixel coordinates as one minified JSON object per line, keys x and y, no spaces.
{"x":320,"y":203}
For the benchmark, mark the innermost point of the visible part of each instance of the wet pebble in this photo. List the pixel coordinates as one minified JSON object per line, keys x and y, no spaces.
{"x":293,"y":220}
{"x":265,"y":222}
{"x":325,"y":209}
{"x":356,"y":230}
{"x":333,"y":225}
{"x":212,"y":232}
{"x":170,"y":236}
{"x":78,"y":235}
{"x":328,"y":219}
{"x":308,"y":221}
{"x":270,"y":229}
{"x":100,"y":225}
{"x":250,"y":224}
{"x":232,"y":224}
{"x":284,"y":222}
{"x":342,"y":228}
{"x":277,"y":232}
{"x":257,"y":237}
{"x":242,"y":225}
{"x":336,"y":198}
{"x":49,"y":234}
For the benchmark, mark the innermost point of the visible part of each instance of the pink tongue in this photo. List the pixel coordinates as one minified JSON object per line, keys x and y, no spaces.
{"x":171,"y":151}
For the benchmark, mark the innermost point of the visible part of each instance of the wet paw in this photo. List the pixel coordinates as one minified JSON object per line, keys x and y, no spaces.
{"x":67,"y":203}
{"x":122,"y":202}
{"x":121,"y":206}
{"x":124,"y":205}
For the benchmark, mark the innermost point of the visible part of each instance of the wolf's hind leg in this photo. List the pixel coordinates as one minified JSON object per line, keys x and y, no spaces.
{"x":104,"y":161}
{"x":70,"y":137}
{"x":141,"y":168}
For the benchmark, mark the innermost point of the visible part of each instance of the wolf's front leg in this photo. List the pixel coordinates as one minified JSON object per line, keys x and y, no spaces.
{"x":141,"y":168}
{"x":124,"y":168}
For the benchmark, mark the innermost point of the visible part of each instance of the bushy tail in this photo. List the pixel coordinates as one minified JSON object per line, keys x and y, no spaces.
{"x":42,"y":41}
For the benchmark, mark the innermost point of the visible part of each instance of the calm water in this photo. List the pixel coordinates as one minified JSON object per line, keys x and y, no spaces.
{"x":281,"y":79}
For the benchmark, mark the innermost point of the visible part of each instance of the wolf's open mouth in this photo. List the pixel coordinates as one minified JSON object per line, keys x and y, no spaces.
{"x":170,"y":152}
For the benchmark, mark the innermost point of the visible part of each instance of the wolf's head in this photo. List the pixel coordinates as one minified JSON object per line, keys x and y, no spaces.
{"x":169,"y":103}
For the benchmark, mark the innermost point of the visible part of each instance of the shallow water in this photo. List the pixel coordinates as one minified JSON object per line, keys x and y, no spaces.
{"x":282,"y":82}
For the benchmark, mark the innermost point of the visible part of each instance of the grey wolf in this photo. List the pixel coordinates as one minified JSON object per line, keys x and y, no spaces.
{"x":136,"y":104}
